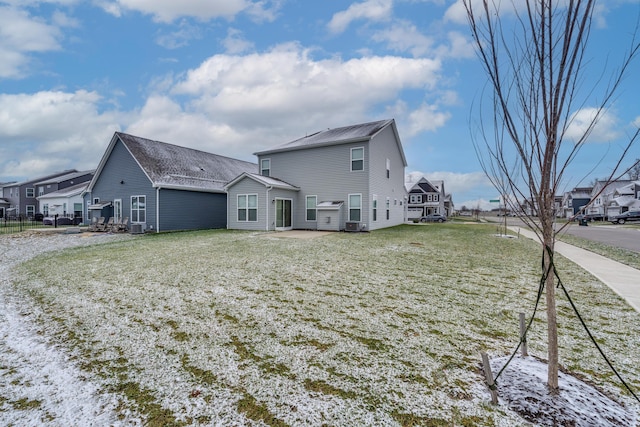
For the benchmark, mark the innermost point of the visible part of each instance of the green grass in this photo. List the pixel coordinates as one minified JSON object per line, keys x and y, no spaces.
{"x":624,"y":256}
{"x":383,"y":327}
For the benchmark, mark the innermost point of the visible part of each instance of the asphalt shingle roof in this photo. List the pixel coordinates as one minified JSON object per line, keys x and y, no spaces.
{"x":172,"y":166}
{"x":341,"y":135}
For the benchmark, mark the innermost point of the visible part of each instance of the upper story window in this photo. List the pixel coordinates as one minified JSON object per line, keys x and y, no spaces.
{"x":265,"y":167}
{"x":388,"y":168}
{"x":415,"y":198}
{"x":357,"y":159}
{"x":40,"y":191}
{"x":31,"y":192}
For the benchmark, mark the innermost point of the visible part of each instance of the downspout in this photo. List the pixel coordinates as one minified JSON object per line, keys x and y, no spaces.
{"x":268,"y":202}
{"x":158,"y":209}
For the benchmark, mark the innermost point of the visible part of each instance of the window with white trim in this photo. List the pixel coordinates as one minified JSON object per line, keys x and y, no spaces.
{"x":40,"y":191}
{"x":388,"y":207}
{"x":355,"y":207}
{"x":31,"y":211}
{"x":31,"y":192}
{"x":45,"y":209}
{"x":388,"y":168}
{"x":357,"y":159}
{"x":265,"y":167}
{"x":375,"y":208}
{"x":247,"y":207}
{"x":312,"y":203}
{"x":416,"y":198}
{"x":138,"y":209}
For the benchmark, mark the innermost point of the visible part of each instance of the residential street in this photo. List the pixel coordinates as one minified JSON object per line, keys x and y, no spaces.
{"x":621,"y":236}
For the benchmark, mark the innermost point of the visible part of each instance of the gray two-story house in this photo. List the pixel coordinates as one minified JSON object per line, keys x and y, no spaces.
{"x":158,"y":186}
{"x":348,"y":178}
{"x":21,"y":197}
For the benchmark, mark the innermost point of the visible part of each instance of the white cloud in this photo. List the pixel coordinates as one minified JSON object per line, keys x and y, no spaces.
{"x":605,"y":130}
{"x":60,"y":130}
{"x":20,"y":35}
{"x":427,"y":117}
{"x":235,"y":105}
{"x":235,"y":43}
{"x":181,"y":37}
{"x":170,"y":10}
{"x":403,"y":36}
{"x":373,"y":10}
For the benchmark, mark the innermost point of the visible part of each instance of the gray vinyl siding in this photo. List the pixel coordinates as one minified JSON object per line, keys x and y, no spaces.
{"x":384,"y":147}
{"x":324,"y":172}
{"x":121,"y":167}
{"x":191,"y":210}
{"x":247,"y":186}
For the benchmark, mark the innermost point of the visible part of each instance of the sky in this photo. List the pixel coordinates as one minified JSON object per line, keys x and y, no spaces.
{"x":233,"y":77}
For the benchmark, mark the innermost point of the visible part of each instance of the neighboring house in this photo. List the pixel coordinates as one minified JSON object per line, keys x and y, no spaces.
{"x":625,"y":198}
{"x":4,"y":203}
{"x":427,"y":197}
{"x":574,"y":200}
{"x":67,"y":202}
{"x":62,"y":182}
{"x":449,"y":207}
{"x":160,"y":186}
{"x":602,"y":196}
{"x":349,"y":178}
{"x":21,"y":196}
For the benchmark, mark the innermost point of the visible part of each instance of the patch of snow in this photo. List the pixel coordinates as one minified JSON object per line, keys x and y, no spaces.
{"x":522,"y":387}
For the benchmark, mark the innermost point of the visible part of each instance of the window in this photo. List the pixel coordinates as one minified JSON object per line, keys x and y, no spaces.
{"x":64,"y":208}
{"x":355,"y":207}
{"x":45,"y":209}
{"x":312,"y":202}
{"x":265,"y":167}
{"x":357,"y":159}
{"x":138,"y":208}
{"x":247,"y":207}
{"x":375,"y":208}
{"x":31,"y":210}
{"x":436,"y":197}
{"x":416,"y":198}
{"x":40,"y":191}
{"x":388,"y":207}
{"x":77,"y":210}
{"x":31,"y":192}
{"x":388,"y":168}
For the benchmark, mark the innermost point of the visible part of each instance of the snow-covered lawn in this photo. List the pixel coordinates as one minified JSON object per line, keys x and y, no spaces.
{"x":240,"y":328}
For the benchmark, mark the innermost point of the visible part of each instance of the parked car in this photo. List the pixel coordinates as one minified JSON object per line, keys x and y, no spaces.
{"x":625,"y":217}
{"x":433,"y":218}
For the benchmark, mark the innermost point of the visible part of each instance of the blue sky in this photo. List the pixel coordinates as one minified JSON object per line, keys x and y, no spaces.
{"x":234,"y":77}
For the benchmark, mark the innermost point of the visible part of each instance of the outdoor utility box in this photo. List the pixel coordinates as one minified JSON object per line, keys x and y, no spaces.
{"x":352,"y":226}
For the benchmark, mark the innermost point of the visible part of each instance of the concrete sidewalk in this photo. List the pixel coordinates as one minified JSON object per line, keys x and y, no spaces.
{"x":624,"y":280}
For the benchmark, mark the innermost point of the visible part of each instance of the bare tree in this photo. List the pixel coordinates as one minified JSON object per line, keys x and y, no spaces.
{"x":534,"y":57}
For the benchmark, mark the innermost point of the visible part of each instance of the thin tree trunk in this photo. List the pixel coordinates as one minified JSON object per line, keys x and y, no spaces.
{"x":552,"y":321}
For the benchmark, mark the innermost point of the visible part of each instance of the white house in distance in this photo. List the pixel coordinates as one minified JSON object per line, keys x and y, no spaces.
{"x":349,"y":178}
{"x":67,"y":202}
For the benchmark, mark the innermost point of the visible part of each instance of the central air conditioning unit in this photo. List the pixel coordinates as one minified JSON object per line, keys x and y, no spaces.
{"x":136,"y":229}
{"x":352,"y":226}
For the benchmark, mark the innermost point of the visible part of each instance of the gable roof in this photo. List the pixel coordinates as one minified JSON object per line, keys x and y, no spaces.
{"x":343,"y":135}
{"x":41,"y":179}
{"x":73,"y":190}
{"x":67,"y":176}
{"x":267,"y":181}
{"x":175,"y":167}
{"x":423,"y":186}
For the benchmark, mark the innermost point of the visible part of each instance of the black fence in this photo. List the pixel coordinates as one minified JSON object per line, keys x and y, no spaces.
{"x":22,"y":223}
